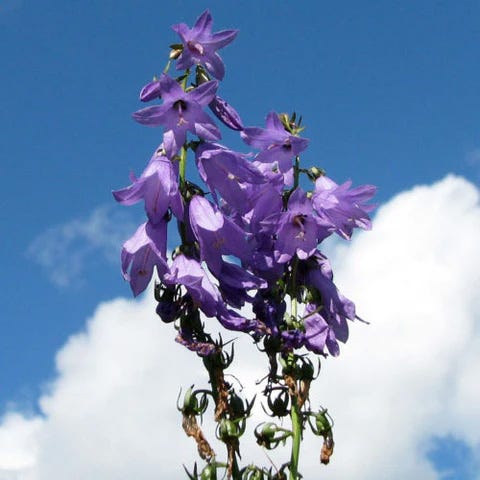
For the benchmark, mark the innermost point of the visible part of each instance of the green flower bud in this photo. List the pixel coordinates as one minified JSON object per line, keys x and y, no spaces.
{"x":322,"y":423}
{"x":209,"y":472}
{"x":228,"y":430}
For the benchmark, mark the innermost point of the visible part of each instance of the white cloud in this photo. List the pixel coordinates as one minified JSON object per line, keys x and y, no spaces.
{"x":410,"y":375}
{"x":64,"y":249}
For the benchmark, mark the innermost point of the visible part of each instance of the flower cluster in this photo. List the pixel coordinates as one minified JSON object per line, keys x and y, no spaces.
{"x":249,"y":240}
{"x":254,"y":238}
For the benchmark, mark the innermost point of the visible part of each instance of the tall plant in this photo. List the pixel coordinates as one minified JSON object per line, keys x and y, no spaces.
{"x":250,"y":234}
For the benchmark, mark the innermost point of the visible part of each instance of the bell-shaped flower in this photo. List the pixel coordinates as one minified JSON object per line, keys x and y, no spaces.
{"x":200,"y":45}
{"x":234,"y":282}
{"x":228,"y":173}
{"x":142,"y":252}
{"x":189,"y":273}
{"x":181,"y":112}
{"x":157,"y":186}
{"x":278,"y":145}
{"x":345,"y":208}
{"x":216,"y":234}
{"x":333,"y":308}
{"x":318,"y":333}
{"x":226,"y":113}
{"x":297,"y":230}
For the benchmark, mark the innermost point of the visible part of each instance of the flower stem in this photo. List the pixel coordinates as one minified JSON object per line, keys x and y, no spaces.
{"x":182,"y":173}
{"x":296,"y":418}
{"x":183,"y":166}
{"x":296,"y":172}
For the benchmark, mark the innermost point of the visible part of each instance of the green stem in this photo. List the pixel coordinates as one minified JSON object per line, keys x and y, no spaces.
{"x":293,"y":287}
{"x":183,"y":166}
{"x":235,"y":469}
{"x":182,"y":173}
{"x":295,"y":415}
{"x":296,"y":172}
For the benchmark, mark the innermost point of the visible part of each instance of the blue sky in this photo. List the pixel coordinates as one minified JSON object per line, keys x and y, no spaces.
{"x":388,"y":92}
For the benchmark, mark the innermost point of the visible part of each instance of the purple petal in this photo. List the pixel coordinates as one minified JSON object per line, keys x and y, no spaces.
{"x":203,"y":24}
{"x":221,"y":39}
{"x":204,"y":93}
{"x":189,"y":273}
{"x":214,"y":65}
{"x":173,"y":141}
{"x":182,"y":30}
{"x":170,"y":89}
{"x":150,"y":91}
{"x":142,"y":252}
{"x":131,"y":194}
{"x":151,"y":116}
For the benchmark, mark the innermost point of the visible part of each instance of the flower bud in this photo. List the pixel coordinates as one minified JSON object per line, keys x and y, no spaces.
{"x":226,"y":113}
{"x":176,"y":51}
{"x":278,"y":405}
{"x":229,"y":430}
{"x":253,"y":473}
{"x":150,"y":91}
{"x":201,"y":75}
{"x":307,"y":370}
{"x":323,"y":424}
{"x":191,"y":405}
{"x":209,"y":472}
{"x":314,"y":173}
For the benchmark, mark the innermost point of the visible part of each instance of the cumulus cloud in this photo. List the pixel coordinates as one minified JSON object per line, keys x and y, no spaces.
{"x":408,"y":377}
{"x":63,"y":250}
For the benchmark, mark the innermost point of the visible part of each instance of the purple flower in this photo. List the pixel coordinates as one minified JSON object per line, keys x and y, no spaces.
{"x":326,"y":317}
{"x":269,"y":312}
{"x":189,"y":273}
{"x":226,"y":113}
{"x":216,"y":234}
{"x":344,"y":208}
{"x":145,"y":250}
{"x":292,"y":339}
{"x":234,"y":282}
{"x":297,"y":230}
{"x":318,"y":333}
{"x":181,"y":112}
{"x":277,"y":144}
{"x":200,"y":45}
{"x":157,"y":186}
{"x":228,"y":172}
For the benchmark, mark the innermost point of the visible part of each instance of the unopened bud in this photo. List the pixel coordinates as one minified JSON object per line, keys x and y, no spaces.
{"x":150,"y":91}
{"x":176,"y":51}
{"x":209,"y":472}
